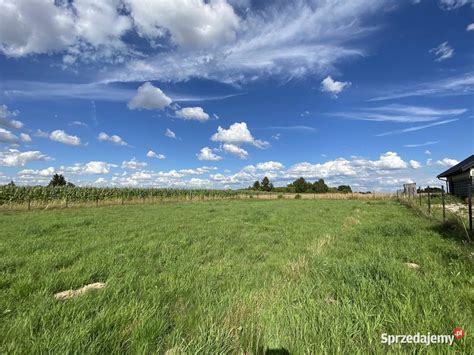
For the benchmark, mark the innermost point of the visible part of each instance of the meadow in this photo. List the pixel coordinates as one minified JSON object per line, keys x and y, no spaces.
{"x":243,"y":276}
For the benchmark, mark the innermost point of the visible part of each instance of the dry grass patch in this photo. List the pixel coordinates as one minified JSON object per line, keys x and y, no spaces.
{"x":80,"y":291}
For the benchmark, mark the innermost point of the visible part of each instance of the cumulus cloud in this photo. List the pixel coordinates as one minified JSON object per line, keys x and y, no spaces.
{"x":189,"y":23}
{"x":6,"y":117}
{"x":442,"y":52}
{"x":206,"y":153}
{"x":149,"y":97}
{"x":152,"y":154}
{"x":193,"y":113}
{"x":104,"y":137}
{"x":447,"y":162}
{"x":170,"y":134}
{"x":133,"y":164}
{"x":96,"y":167}
{"x":7,"y":137}
{"x":13,"y":157}
{"x":83,"y":28}
{"x":24,"y":137}
{"x":270,"y":166}
{"x":470,"y":27}
{"x":64,"y":138}
{"x":334,"y":87}
{"x":236,"y":134}
{"x":414,"y":164}
{"x":235,"y":150}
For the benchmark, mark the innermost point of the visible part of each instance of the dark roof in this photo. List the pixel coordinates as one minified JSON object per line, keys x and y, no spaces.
{"x":461,"y":167}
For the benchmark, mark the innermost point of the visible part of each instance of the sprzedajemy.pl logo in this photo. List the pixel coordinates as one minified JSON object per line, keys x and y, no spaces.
{"x":427,"y":339}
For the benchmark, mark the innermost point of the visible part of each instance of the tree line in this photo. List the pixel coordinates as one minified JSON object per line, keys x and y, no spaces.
{"x":300,"y":185}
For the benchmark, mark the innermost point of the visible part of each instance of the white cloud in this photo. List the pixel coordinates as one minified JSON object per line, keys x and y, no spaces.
{"x":290,"y":39}
{"x":44,"y":172}
{"x":454,"y":4}
{"x":64,"y":138}
{"x":207,"y":154}
{"x":170,"y":134}
{"x":387,"y":161}
{"x":447,"y":162}
{"x":152,"y":154}
{"x":149,"y":97}
{"x":470,"y":27}
{"x":238,"y":133}
{"x":7,"y":137}
{"x":416,"y":128}
{"x":334,"y":87}
{"x":235,"y":150}
{"x":84,"y":28}
{"x":13,"y":157}
{"x":6,"y":118}
{"x":328,"y":169}
{"x":414,"y":164}
{"x":270,"y":166}
{"x":401,"y":113}
{"x":24,"y":137}
{"x":427,"y":152}
{"x":442,"y":52}
{"x":96,"y":167}
{"x":420,"y":145}
{"x":192,"y":113}
{"x":104,"y":137}
{"x":190,"y":23}
{"x":79,"y":123}
{"x":133,"y":164}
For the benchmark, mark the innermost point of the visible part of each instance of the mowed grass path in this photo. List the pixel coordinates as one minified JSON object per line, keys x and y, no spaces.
{"x":231,"y":276}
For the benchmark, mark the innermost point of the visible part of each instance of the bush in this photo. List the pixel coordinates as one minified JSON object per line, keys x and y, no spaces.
{"x":297,"y":197}
{"x":280,"y":196}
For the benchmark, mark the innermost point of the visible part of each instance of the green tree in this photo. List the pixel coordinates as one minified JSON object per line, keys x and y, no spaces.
{"x":300,"y":185}
{"x":11,"y":184}
{"x":344,"y":189}
{"x":266,"y":185}
{"x":256,"y":185}
{"x":57,"y":180}
{"x":320,"y":187}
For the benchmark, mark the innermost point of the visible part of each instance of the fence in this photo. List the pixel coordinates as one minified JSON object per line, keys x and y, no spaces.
{"x":437,"y":204}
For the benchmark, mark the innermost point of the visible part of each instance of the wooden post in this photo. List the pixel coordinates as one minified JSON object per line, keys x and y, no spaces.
{"x":29,"y":203}
{"x":429,"y":200}
{"x":97,"y":202}
{"x":443,"y":202}
{"x":66,"y":203}
{"x":470,"y":202}
{"x":420,"y":198}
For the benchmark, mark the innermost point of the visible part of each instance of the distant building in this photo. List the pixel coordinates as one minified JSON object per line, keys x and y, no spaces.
{"x":458,"y":178}
{"x":409,"y":189}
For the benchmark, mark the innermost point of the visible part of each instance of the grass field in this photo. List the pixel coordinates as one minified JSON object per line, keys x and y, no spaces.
{"x":232,"y":276}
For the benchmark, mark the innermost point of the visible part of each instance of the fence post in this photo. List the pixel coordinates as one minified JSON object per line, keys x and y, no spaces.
{"x":66,"y":202}
{"x":29,"y":204}
{"x":97,"y":202}
{"x":444,"y":204}
{"x":470,"y":202}
{"x":420,"y":198}
{"x":429,"y":201}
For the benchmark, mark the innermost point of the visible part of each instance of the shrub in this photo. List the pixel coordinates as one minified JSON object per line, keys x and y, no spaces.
{"x":297,"y":197}
{"x":280,"y":196}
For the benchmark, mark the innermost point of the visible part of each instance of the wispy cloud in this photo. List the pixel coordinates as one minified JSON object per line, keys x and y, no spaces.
{"x":452,"y":86}
{"x":291,"y":128}
{"x":35,"y":90}
{"x":401,"y":113}
{"x":443,"y":51}
{"x":420,"y":144}
{"x":416,"y":128}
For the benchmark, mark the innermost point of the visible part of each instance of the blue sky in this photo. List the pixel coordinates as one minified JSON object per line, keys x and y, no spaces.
{"x":217,"y":94}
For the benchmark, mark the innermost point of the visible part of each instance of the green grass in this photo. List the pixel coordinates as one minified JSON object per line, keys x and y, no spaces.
{"x":231,"y":276}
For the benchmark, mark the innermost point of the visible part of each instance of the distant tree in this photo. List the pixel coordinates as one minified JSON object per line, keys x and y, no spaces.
{"x":320,"y":187}
{"x":300,"y":185}
{"x":344,"y":189}
{"x":70,"y":184}
{"x":11,"y":184}
{"x":256,"y":185}
{"x":57,"y":180}
{"x":266,"y":185}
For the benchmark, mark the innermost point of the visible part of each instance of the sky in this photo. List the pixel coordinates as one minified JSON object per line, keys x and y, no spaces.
{"x":220,"y":93}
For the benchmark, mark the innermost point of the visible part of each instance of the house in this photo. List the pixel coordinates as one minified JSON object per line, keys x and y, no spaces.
{"x":459,"y":177}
